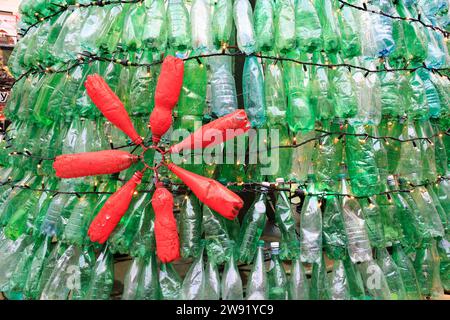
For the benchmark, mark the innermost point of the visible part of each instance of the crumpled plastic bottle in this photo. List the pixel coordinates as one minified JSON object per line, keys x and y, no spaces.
{"x":179,"y":35}
{"x":330,"y":28}
{"x":359,"y":248}
{"x":407,"y":272}
{"x":223,"y":88}
{"x":300,"y":112}
{"x":253,"y":92}
{"x":427,"y":266}
{"x":201,"y":26}
{"x":443,"y":248}
{"x":406,"y":215}
{"x":102,"y":277}
{"x":374,"y":280}
{"x":190,"y":228}
{"x":122,"y":237}
{"x":339,"y":289}
{"x":348,"y":20}
{"x":40,"y":253}
{"x":56,"y":288}
{"x":148,"y":287}
{"x":264,"y":25}
{"x":192,"y":99}
{"x":285,"y":31}
{"x":342,"y":89}
{"x":391,"y":273}
{"x":381,"y":28}
{"x":170,"y":282}
{"x":231,"y":285}
{"x":154,"y":33}
{"x":333,"y":230}
{"x":252,"y":228}
{"x":328,"y":153}
{"x":212,"y":281}
{"x":354,"y":279}
{"x":78,"y":222}
{"x":222,"y":22}
{"x":307,"y":27}
{"x":432,"y":223}
{"x":311,"y":225}
{"x":131,"y":280}
{"x":217,"y":239}
{"x":319,"y":289}
{"x":368,"y":90}
{"x":275,"y":95}
{"x":362,"y":166}
{"x":243,"y":20}
{"x":257,"y":285}
{"x":194,"y":281}
{"x":298,"y":282}
{"x":285,"y":220}
{"x":276,"y":275}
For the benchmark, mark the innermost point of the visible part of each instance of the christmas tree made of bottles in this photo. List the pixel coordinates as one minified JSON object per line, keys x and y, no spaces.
{"x":357,"y":90}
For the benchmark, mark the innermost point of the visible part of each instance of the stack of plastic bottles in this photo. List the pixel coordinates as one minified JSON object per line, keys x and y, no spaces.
{"x":359,"y":199}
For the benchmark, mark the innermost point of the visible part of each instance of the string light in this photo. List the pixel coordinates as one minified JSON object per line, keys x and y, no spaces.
{"x":88,"y":57}
{"x":387,"y":15}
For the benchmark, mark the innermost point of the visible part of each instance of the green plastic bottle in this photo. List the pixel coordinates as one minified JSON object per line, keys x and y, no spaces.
{"x":149,"y":288}
{"x":300,"y":113}
{"x":319,"y":289}
{"x":276,"y":275}
{"x":392,"y":274}
{"x":102,"y":277}
{"x":170,"y":282}
{"x":333,"y":230}
{"x":216,"y":236}
{"x":407,"y":272}
{"x":285,"y":36}
{"x":253,"y":92}
{"x":330,"y":28}
{"x":193,"y":92}
{"x":264,"y":18}
{"x":307,"y":26}
{"x":427,"y":267}
{"x":285,"y":220}
{"x":252,"y":228}
{"x":179,"y":35}
{"x":222,"y":22}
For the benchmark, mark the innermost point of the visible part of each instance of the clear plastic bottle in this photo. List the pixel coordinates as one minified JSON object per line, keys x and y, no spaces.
{"x":298,"y":282}
{"x":223,"y":89}
{"x":194,"y":281}
{"x":339,"y":284}
{"x":212,"y":281}
{"x":311,"y":225}
{"x":407,"y":272}
{"x":359,"y":247}
{"x":243,"y":19}
{"x":391,"y":273}
{"x":231,"y":286}
{"x":257,"y":286}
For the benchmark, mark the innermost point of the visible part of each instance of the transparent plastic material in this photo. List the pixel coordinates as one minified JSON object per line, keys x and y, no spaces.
{"x":257,"y":285}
